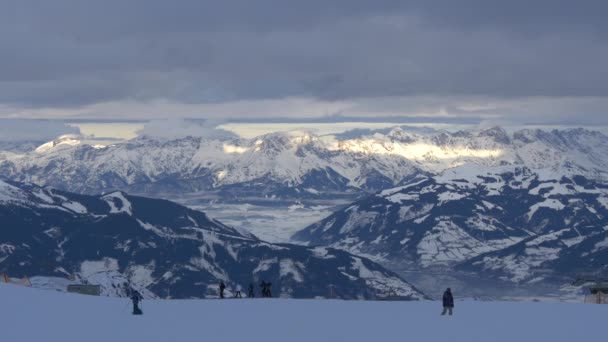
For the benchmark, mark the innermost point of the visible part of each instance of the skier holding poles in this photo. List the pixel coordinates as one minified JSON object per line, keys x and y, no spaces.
{"x":136,"y":298}
{"x":448,"y":302}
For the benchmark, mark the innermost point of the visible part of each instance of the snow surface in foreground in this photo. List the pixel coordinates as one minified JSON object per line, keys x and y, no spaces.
{"x":39,"y":315}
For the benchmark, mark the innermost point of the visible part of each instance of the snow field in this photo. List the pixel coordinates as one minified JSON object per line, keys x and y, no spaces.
{"x":39,"y":315}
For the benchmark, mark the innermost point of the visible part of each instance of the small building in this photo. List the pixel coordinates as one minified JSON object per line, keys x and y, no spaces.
{"x":597,"y":287}
{"x":91,"y":290}
{"x":598,"y":293}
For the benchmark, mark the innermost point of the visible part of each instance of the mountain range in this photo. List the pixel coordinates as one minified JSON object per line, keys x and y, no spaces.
{"x":512,"y":224}
{"x":166,"y":250}
{"x":298,"y":164}
{"x":521,"y":207}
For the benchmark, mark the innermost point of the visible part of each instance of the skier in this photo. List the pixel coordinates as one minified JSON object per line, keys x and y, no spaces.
{"x":136,"y":297}
{"x":222,"y":288}
{"x":251,"y":294}
{"x":448,"y":302}
{"x":238,"y":291}
{"x":268,"y":287}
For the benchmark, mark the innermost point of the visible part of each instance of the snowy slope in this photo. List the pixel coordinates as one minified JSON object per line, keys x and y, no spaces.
{"x":300,"y":164}
{"x":35,"y":315}
{"x":460,"y":215}
{"x":557,"y":255}
{"x":117,"y":240}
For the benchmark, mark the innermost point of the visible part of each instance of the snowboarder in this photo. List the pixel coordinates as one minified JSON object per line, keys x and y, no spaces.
{"x":238,"y":291}
{"x":136,"y":297}
{"x":251,"y":294}
{"x":222,"y":288}
{"x":448,"y":302}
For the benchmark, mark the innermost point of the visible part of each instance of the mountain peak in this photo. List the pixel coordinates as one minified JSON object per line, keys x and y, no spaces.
{"x":67,"y":140}
{"x":496,"y":133}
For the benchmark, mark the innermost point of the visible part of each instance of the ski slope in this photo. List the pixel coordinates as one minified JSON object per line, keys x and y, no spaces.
{"x":43,"y":315}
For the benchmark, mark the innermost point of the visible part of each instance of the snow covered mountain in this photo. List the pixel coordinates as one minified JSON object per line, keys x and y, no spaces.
{"x":510,"y":221}
{"x":20,"y":146}
{"x":166,"y":250}
{"x":299,"y":164}
{"x":556,"y":256}
{"x":452,"y":197}
{"x":281,"y":164}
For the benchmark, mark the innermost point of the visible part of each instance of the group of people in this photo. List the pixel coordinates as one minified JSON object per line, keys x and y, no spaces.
{"x":136,"y":297}
{"x":265,"y":289}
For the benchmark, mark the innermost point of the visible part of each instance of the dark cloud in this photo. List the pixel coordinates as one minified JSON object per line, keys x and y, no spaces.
{"x":517,"y":16}
{"x":12,"y":130}
{"x":66,"y":53}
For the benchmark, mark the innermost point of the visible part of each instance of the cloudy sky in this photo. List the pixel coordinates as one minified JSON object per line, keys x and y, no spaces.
{"x":524,"y":62}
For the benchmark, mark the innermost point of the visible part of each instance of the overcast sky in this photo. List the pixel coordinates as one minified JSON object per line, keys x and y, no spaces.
{"x":541,"y":61}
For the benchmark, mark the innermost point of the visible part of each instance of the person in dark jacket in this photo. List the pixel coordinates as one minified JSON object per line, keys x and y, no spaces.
{"x":251,"y":294}
{"x":448,"y":302}
{"x":222,"y":288}
{"x":135,"y":298}
{"x":263,"y":288}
